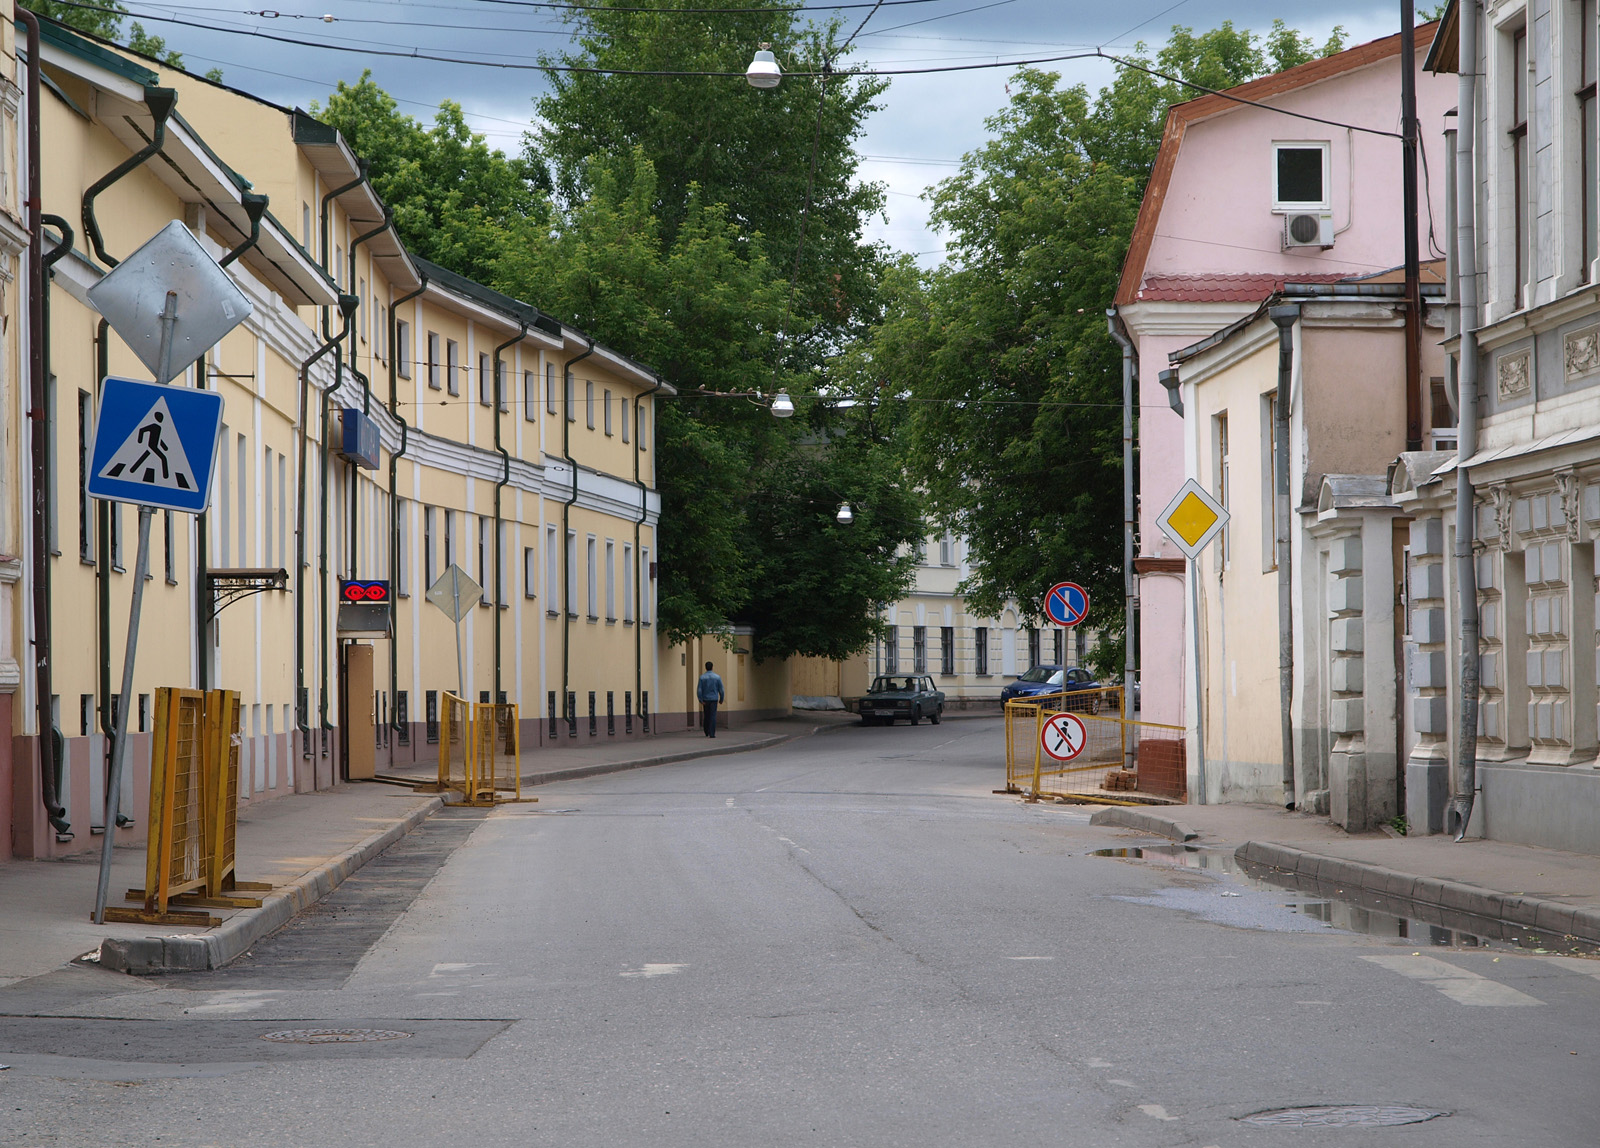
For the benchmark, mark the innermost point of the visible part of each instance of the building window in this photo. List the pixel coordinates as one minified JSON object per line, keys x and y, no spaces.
{"x":305,"y":225}
{"x":366,"y":312}
{"x":501,"y":598}
{"x":611,"y":580}
{"x":947,"y":650}
{"x":430,"y":710}
{"x":980,"y":651}
{"x":485,"y":561}
{"x":85,"y":503}
{"x":1300,"y":176}
{"x":433,"y":360}
{"x":530,"y":558}
{"x":1521,"y":185}
{"x":530,"y":401}
{"x":1058,"y":646}
{"x":1223,"y":492}
{"x":427,"y":547}
{"x":593,"y":581}
{"x":266,"y":508}
{"x":483,"y":379}
{"x":338,"y":265}
{"x":607,"y":401}
{"x":1589,"y":31}
{"x":627,"y":584}
{"x":402,"y":348}
{"x":402,"y":518}
{"x":452,"y":367}
{"x":380,"y":332}
{"x":572,"y":573}
{"x":947,"y":551}
{"x":891,"y":651}
{"x":588,"y":401}
{"x":644,"y":415}
{"x":646,"y":588}
{"x":86,"y":713}
{"x":1269,"y":480}
{"x":627,"y":417}
{"x":449,"y":539}
{"x":552,"y":577}
{"x":1033,"y":646}
{"x":168,"y":548}
{"x":550,"y":387}
{"x":919,"y":649}
{"x":572,"y":398}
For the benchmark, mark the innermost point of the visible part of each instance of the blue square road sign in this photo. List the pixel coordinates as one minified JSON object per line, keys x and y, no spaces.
{"x":155,"y":445}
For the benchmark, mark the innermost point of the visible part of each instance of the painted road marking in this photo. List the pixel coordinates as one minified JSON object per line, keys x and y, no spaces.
{"x":1456,"y":983}
{"x":1588,"y":968}
{"x":653,"y":970}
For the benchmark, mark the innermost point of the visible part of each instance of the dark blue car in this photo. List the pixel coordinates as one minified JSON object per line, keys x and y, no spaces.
{"x":1052,"y":679}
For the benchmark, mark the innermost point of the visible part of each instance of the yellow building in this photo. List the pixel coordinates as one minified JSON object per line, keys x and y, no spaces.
{"x":385,"y":419}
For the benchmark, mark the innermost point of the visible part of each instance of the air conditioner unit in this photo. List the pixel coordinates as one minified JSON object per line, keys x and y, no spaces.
{"x":1308,"y":230}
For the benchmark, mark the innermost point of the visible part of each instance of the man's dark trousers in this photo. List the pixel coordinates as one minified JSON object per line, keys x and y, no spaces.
{"x":708,"y":718}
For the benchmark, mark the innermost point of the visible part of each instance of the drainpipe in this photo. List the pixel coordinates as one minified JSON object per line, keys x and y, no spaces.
{"x":505,"y":477}
{"x":322,"y":535}
{"x":1465,"y":788}
{"x":1408,"y":195}
{"x":160,"y":101}
{"x":388,"y":221}
{"x":347,"y":307}
{"x":569,"y":393}
{"x":324,"y":223}
{"x":1129,"y":586}
{"x":1284,"y":316}
{"x":641,"y":571}
{"x":255,"y":206}
{"x":395,"y":557}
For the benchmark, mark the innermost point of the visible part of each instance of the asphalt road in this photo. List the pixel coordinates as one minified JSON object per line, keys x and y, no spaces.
{"x":847,"y":940}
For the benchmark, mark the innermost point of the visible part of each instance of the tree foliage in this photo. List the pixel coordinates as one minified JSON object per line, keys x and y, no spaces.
{"x":457,"y":201}
{"x":1015,"y":388}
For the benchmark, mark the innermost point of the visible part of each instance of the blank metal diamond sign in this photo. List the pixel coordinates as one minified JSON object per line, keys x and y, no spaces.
{"x":133,"y":296}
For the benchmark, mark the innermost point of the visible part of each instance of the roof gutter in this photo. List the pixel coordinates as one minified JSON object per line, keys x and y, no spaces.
{"x":161,"y":102}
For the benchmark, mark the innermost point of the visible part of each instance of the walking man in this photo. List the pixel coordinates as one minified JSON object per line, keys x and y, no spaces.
{"x":710,"y":693}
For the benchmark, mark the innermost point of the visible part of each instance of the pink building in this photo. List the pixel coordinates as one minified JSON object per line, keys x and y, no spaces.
{"x":1241,"y":200}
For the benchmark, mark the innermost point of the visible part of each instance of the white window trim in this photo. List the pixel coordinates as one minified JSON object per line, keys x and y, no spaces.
{"x":1299,"y":207}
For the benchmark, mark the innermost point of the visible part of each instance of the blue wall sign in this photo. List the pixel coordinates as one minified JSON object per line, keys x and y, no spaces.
{"x":358,"y":438}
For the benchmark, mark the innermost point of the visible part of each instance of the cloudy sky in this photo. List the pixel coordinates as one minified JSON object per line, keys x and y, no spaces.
{"x":926,"y":124}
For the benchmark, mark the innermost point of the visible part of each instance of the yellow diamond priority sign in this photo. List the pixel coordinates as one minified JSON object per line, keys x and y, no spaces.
{"x":1193,"y":518}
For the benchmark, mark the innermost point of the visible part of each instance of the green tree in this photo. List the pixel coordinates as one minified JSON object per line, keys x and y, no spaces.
{"x":457,"y":201}
{"x":763,"y":154}
{"x":1014,"y":427}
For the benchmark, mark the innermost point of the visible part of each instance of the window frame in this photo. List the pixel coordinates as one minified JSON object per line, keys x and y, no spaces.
{"x":452,"y":368}
{"x":402,"y":348}
{"x":1281,"y":206}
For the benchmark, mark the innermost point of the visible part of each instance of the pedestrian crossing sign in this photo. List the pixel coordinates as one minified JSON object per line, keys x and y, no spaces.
{"x":155,"y":445}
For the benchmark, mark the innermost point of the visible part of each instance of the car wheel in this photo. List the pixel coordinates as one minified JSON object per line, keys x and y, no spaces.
{"x":916,"y":717}
{"x":937,"y":714}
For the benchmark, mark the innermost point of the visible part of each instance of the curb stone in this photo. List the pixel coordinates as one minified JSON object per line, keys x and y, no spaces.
{"x":144,"y":956}
{"x":1146,"y":822}
{"x":1540,"y":913}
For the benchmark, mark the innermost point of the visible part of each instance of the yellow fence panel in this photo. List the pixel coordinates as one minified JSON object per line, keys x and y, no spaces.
{"x":1121,"y":762}
{"x":175,"y":850}
{"x":455,"y":742}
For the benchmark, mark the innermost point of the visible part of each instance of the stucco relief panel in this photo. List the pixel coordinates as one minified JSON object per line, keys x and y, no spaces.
{"x":1514,"y":375}
{"x":1581,"y":353}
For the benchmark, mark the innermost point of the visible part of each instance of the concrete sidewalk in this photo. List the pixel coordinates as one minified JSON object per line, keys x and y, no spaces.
{"x":1466,"y":886}
{"x":304,"y":845}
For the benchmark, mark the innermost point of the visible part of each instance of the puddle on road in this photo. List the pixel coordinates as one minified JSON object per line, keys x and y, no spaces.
{"x":1357,"y":912}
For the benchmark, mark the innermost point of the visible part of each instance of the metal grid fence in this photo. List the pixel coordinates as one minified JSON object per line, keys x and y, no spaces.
{"x":1120,"y":762}
{"x":480,"y":750}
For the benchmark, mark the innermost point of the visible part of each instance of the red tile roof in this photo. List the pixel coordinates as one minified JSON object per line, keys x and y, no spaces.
{"x":1237,"y":288}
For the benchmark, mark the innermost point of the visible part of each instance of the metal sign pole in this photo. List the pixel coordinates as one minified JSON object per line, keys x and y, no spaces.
{"x":455,"y":594}
{"x":1199,"y":697}
{"x":119,"y":755}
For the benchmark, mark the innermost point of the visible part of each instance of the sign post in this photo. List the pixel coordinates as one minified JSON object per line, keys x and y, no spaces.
{"x":455,"y":593}
{"x":1193,"y":519}
{"x":156,"y":447}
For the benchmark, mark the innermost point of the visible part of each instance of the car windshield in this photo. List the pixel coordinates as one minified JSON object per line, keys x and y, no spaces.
{"x":1042,"y":674}
{"x":887,"y":685}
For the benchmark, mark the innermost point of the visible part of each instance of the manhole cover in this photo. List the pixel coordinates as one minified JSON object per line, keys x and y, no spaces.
{"x":332,"y":1035}
{"x":1342,"y":1116}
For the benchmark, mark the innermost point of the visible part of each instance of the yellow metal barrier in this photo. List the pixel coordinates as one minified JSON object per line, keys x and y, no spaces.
{"x":480,"y":751}
{"x":1122,"y":762}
